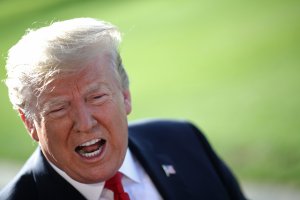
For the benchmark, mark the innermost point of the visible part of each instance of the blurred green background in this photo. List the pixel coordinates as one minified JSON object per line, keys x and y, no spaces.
{"x":232,"y":67}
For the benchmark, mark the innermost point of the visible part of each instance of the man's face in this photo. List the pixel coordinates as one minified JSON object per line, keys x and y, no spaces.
{"x":82,"y":122}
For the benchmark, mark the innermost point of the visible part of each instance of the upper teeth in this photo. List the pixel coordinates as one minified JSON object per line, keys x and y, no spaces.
{"x":91,"y":142}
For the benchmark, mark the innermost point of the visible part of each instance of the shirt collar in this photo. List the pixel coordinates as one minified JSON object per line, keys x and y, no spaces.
{"x":93,"y":191}
{"x":89,"y":191}
{"x":129,"y":167}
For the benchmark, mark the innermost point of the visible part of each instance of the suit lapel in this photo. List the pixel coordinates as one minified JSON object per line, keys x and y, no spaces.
{"x":51,"y":185}
{"x":168,"y":182}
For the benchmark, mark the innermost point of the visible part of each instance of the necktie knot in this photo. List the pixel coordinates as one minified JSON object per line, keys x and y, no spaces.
{"x":114,"y":184}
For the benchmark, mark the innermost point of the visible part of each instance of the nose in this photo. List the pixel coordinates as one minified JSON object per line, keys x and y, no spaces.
{"x":83,"y":120}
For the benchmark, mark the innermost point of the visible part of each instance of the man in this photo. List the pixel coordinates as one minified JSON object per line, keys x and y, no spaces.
{"x":68,"y":83}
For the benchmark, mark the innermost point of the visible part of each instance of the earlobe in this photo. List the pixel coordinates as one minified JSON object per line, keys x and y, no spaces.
{"x":127,"y":101}
{"x":29,"y":126}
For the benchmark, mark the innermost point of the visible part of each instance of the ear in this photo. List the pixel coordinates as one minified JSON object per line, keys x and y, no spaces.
{"x":29,"y":126}
{"x":127,"y":101}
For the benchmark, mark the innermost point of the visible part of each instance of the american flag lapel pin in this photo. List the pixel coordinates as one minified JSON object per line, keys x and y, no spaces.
{"x":169,"y":170}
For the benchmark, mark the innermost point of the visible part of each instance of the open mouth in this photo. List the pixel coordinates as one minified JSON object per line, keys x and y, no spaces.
{"x":91,"y":148}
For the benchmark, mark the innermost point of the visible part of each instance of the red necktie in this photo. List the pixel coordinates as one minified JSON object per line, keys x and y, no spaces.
{"x":114,"y":184}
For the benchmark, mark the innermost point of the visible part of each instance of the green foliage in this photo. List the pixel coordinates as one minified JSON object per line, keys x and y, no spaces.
{"x":232,"y":67}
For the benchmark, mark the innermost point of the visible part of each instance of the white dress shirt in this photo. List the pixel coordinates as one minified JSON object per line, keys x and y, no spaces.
{"x":135,"y":180}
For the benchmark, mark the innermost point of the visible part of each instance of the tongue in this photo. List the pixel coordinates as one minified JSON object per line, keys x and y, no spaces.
{"x":90,"y":148}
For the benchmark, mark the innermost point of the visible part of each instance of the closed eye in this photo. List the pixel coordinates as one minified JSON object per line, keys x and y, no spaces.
{"x":98,"y":99}
{"x":58,"y":112}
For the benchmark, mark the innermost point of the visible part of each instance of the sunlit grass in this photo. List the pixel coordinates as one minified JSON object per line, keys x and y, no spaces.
{"x":231,"y":67}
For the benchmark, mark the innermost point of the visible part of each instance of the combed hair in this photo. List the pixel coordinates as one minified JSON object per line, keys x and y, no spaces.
{"x":62,"y":47}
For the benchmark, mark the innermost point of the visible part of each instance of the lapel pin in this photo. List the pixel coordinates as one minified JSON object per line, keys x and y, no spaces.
{"x":169,"y":170}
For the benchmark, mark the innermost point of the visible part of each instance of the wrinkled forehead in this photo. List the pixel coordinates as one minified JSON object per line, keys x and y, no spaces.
{"x":99,"y":62}
{"x":99,"y":73}
{"x":64,"y":92}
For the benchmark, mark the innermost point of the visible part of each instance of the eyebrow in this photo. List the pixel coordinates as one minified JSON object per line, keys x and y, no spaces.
{"x":62,"y":99}
{"x":52,"y":102}
{"x":95,"y":86}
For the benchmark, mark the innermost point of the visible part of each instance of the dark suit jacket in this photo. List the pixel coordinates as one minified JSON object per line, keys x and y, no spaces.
{"x":200,"y":174}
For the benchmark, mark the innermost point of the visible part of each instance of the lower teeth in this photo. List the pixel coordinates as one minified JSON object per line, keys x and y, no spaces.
{"x":90,"y":154}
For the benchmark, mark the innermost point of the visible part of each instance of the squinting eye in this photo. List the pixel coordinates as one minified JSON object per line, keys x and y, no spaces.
{"x":98,"y":99}
{"x":56,"y":110}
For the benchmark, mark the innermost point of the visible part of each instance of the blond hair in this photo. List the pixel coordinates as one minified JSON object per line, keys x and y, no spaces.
{"x":62,"y":47}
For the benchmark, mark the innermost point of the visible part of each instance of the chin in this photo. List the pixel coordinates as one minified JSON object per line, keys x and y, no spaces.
{"x":98,"y":175}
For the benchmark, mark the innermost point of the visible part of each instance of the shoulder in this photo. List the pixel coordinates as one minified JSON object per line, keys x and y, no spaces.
{"x":157,"y":122}
{"x":21,"y":187}
{"x":182,"y":144}
{"x":162,"y":125}
{"x":162,"y":130}
{"x":37,"y":180}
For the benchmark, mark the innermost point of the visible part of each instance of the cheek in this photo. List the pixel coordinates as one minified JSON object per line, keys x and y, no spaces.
{"x":55,"y":132}
{"x":116,"y":121}
{"x":120,"y":104}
